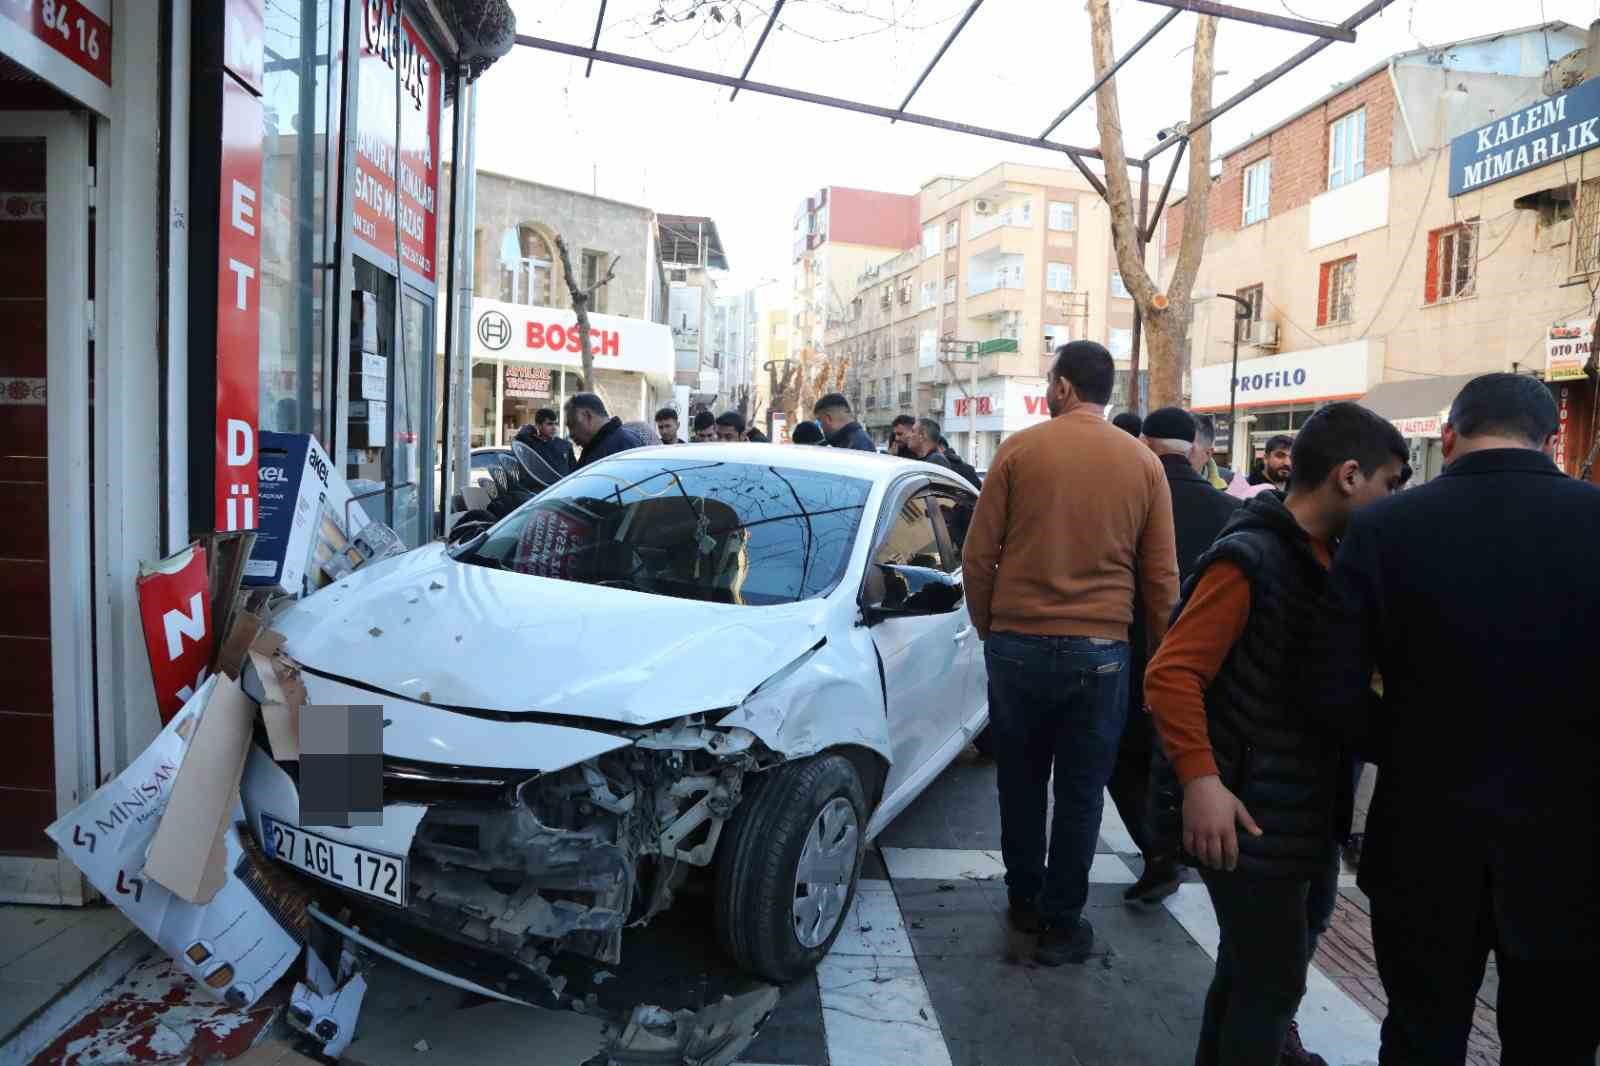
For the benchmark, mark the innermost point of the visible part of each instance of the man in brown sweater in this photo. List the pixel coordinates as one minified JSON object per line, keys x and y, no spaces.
{"x":1073,"y":513}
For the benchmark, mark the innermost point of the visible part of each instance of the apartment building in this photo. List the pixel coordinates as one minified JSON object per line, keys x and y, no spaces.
{"x":1434,"y":218}
{"x":694,"y":260}
{"x":738,"y":343}
{"x":959,"y":326}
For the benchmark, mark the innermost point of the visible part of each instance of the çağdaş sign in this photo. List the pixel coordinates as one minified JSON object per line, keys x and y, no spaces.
{"x":1541,"y":133}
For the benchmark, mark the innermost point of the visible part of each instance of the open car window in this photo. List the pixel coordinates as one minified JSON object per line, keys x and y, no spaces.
{"x":702,"y":530}
{"x":911,"y":539}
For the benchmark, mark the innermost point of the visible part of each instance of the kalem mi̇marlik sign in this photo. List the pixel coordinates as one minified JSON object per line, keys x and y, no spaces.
{"x":1531,"y":137}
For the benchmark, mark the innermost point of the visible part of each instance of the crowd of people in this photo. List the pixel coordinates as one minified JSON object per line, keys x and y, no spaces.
{"x":1224,"y":656}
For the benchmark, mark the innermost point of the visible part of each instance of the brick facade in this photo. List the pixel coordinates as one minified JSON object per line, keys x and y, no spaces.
{"x":1299,"y":151}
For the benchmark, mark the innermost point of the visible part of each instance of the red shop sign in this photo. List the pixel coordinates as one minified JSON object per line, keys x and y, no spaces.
{"x":374,"y":213}
{"x":244,"y":42}
{"x":175,"y":609}
{"x":238,"y":308}
{"x":419,"y":157}
{"x":67,"y":27}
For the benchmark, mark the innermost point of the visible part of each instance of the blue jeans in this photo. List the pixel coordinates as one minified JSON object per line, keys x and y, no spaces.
{"x":1056,"y":702}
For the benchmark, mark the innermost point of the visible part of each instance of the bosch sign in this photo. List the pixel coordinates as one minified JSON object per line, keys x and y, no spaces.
{"x":555,"y":337}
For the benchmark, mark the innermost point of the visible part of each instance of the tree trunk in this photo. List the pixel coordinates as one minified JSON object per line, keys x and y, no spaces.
{"x":580,"y":307}
{"x":1165,"y":315}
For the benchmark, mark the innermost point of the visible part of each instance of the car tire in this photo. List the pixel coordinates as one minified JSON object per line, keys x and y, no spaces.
{"x":984,"y":742}
{"x":765,"y":921}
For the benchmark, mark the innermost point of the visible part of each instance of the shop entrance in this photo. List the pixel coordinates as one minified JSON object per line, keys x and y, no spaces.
{"x":47,"y":755}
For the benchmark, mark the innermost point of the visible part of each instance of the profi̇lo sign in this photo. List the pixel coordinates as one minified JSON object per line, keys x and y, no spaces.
{"x":1542,"y":133}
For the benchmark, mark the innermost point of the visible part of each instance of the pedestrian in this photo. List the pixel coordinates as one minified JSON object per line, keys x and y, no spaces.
{"x":1199,"y":512}
{"x":1228,"y":710}
{"x":597,"y":432}
{"x":1129,"y":422}
{"x":755,"y":436}
{"x":1072,"y":510}
{"x":924,"y":443}
{"x":705,"y":428}
{"x":730,"y":427}
{"x":840,"y":426}
{"x":1275,"y":463}
{"x":960,"y":465}
{"x":667,"y":425}
{"x":1205,"y":453}
{"x":542,"y":438}
{"x":900,"y":444}
{"x":1474,"y":596}
{"x":807,"y":432}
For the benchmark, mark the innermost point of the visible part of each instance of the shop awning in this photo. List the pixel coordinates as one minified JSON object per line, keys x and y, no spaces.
{"x":1416,"y":407}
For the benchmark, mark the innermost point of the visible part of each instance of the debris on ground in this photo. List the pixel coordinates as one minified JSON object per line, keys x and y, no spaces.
{"x":420,"y":1045}
{"x":325,"y":1005}
{"x":712,"y":1036}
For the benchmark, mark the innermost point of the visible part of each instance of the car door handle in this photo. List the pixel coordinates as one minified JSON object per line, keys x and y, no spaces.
{"x":962,"y":635}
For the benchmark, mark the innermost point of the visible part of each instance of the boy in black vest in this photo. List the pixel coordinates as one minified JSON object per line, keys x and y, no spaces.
{"x":1222,"y":689}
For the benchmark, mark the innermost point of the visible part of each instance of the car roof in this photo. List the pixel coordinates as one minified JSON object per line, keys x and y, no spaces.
{"x":871,"y":466}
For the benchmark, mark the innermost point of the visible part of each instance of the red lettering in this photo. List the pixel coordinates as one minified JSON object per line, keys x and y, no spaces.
{"x":1034,"y":404}
{"x":556,"y":337}
{"x":536,"y":334}
{"x":575,"y":340}
{"x":609,"y":343}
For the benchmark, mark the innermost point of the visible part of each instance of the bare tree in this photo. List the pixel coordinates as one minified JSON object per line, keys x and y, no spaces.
{"x":1166,"y":315}
{"x":580,"y":305}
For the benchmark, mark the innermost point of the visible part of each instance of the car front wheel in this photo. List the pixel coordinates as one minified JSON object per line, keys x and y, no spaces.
{"x":789,"y":864}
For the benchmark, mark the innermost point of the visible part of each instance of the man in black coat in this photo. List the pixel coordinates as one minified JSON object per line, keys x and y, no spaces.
{"x":840,"y":426}
{"x":1199,"y":512}
{"x":542,"y":438}
{"x":596,"y":432}
{"x":1475,"y":597}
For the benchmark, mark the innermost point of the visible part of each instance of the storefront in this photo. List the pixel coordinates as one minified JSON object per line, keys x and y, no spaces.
{"x":526,"y":358}
{"x":1277,"y":393}
{"x":1570,"y":374}
{"x":1003,"y":406}
{"x":192,"y":258}
{"x":1418,"y":409}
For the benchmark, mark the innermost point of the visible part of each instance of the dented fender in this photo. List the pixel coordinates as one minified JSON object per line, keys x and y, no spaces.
{"x":821,"y":700}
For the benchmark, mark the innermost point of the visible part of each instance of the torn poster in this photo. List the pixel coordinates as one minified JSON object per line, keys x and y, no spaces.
{"x":238,"y":945}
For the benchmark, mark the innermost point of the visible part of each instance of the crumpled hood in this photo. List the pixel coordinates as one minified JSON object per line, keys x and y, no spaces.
{"x":437,"y":631}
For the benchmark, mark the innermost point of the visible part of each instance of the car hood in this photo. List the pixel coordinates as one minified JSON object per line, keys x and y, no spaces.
{"x":441,"y":632}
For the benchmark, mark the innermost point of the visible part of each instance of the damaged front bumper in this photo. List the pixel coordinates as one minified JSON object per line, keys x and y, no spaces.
{"x":546,"y":859}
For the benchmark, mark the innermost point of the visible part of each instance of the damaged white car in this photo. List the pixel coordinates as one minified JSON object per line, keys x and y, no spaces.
{"x":744,"y":659}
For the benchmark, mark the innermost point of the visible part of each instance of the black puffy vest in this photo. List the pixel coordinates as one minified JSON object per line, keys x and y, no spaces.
{"x":1281,"y":767}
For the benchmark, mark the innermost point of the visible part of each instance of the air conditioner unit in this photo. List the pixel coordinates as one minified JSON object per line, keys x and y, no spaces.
{"x":1264,"y":334}
{"x":983,"y":207}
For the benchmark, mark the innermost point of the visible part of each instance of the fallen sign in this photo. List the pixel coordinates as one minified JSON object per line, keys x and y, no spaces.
{"x":250,"y":931}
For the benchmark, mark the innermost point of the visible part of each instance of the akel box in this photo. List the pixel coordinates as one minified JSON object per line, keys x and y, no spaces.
{"x":302,"y":515}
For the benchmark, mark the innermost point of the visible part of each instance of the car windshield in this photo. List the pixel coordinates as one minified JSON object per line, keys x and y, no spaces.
{"x":700,"y":530}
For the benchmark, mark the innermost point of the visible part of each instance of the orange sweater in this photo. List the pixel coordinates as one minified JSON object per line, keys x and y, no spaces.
{"x":1194,"y":650}
{"x":1070,"y":511}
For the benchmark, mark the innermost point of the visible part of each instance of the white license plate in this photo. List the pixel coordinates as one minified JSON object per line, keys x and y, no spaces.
{"x":362,"y":870}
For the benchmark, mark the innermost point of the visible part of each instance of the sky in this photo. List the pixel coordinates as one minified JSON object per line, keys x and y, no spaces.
{"x":682,"y":147}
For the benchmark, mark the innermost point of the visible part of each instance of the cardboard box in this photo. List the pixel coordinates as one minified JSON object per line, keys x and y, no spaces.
{"x":302,"y":515}
{"x":369,"y":424}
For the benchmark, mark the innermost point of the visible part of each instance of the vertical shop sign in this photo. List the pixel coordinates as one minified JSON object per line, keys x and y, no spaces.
{"x":244,"y":43}
{"x":239,"y":289}
{"x":1563,"y":425}
{"x":419,"y":158}
{"x":375,"y":200}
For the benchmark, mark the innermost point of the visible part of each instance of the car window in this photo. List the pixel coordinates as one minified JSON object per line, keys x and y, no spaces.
{"x":739,"y":533}
{"x":954,"y":513}
{"x":910,"y":540}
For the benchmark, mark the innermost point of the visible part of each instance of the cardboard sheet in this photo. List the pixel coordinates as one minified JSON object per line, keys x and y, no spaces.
{"x":283,"y":694}
{"x":238,"y":945}
{"x":187,"y":855}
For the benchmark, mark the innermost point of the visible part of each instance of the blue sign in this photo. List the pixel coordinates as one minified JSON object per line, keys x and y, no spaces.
{"x":1527,"y":138}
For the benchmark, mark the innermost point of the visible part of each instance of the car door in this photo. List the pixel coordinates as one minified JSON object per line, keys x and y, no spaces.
{"x":952,"y":510}
{"x":924,"y":687}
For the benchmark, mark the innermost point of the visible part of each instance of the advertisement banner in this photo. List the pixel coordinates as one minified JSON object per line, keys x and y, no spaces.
{"x":376,"y":121}
{"x":1566,"y":350}
{"x":420,"y":94}
{"x":238,"y":308}
{"x":175,"y":609}
{"x":65,"y":42}
{"x":528,"y":382}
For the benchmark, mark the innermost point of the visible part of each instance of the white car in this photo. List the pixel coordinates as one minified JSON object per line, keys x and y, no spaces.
{"x":746,"y":658}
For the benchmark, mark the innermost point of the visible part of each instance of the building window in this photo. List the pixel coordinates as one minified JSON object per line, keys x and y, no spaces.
{"x":1120,"y":341}
{"x":594,"y":271}
{"x":930,"y":294}
{"x":1254,"y":296}
{"x":1257,"y":190}
{"x":950,"y":289}
{"x":525,"y":267}
{"x":1055,"y":336}
{"x":930,"y":240}
{"x":1118,"y":289}
{"x":1336,"y":292}
{"x":905,"y":389}
{"x":1058,"y":277}
{"x":1347,"y":148}
{"x":1586,"y":236}
{"x":1063,"y":215}
{"x":952,"y":233}
{"x":1452,"y":263}
{"x":1024,"y":213}
{"x":905,"y":291}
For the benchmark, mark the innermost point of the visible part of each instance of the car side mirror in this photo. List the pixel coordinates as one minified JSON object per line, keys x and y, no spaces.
{"x":893,"y":591}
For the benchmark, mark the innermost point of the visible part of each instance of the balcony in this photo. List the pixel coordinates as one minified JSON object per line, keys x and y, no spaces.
{"x":905,"y":397}
{"x":1000,"y":240}
{"x":993,"y":296}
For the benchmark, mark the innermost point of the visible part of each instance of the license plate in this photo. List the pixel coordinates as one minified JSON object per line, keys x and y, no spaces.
{"x":362,"y":870}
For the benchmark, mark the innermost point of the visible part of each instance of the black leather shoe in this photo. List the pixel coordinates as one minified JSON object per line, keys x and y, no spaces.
{"x":1059,"y":944}
{"x":1159,"y":880}
{"x":1023,"y":913}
